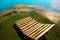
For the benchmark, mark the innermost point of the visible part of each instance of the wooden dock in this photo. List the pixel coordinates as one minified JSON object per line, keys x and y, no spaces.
{"x":33,"y":29}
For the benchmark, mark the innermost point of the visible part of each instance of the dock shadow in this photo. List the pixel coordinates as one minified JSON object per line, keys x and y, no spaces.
{"x":42,"y":38}
{"x":24,"y":37}
{"x":20,"y":33}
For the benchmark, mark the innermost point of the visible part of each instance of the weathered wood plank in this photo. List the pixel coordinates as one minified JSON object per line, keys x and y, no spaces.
{"x":30,"y":27}
{"x":40,"y":31}
{"x":35,"y":29}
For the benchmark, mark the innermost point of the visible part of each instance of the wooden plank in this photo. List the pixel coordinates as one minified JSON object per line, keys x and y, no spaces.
{"x":26,"y":22}
{"x":36,"y":29}
{"x":44,"y":32}
{"x":39,"y":31}
{"x":30,"y":27}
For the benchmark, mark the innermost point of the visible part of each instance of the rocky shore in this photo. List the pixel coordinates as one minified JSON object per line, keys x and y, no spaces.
{"x":53,"y":16}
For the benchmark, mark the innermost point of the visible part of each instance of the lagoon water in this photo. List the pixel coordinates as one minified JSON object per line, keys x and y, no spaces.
{"x":7,"y":4}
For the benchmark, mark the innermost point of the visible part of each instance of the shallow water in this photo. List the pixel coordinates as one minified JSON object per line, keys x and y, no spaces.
{"x":7,"y":4}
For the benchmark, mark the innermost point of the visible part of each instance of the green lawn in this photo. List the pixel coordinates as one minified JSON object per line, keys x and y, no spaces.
{"x":7,"y":31}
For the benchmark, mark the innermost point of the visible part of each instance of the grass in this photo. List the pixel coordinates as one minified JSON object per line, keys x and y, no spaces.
{"x":54,"y":33}
{"x":7,"y":31}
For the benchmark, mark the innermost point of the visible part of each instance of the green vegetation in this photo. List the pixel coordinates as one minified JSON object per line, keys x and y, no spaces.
{"x":54,"y":33}
{"x":7,"y":31}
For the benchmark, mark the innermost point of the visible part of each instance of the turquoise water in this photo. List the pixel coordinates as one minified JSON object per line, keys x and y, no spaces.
{"x":7,"y":4}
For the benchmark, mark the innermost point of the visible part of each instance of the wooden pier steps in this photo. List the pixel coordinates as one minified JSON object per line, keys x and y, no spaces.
{"x":33,"y":29}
